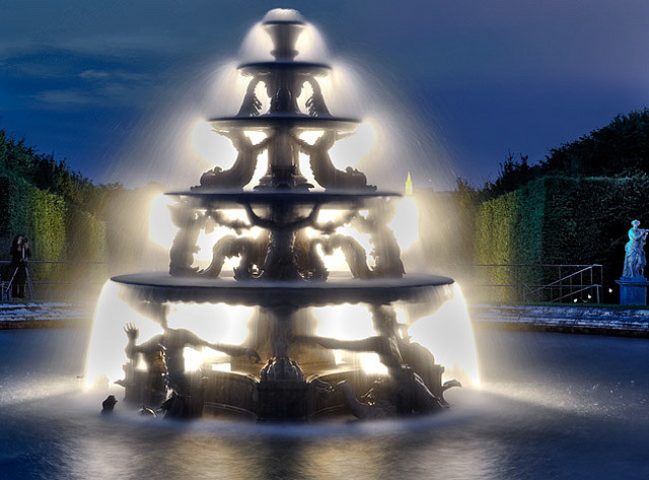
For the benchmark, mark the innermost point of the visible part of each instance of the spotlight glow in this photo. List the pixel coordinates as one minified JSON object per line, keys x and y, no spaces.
{"x":448,"y":333}
{"x":351,"y":150}
{"x":215,"y":323}
{"x":210,"y":147}
{"x":349,"y":322}
{"x":106,"y":354}
{"x":161,"y":229}
{"x":405,"y":223}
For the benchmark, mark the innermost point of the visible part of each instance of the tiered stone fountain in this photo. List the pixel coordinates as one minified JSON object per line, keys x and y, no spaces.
{"x":282,"y":271}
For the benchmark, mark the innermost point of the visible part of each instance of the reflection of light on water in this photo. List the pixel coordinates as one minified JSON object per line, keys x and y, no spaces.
{"x":349,"y":322}
{"x":405,"y":223}
{"x":31,"y":388}
{"x":215,"y":323}
{"x":448,"y":333}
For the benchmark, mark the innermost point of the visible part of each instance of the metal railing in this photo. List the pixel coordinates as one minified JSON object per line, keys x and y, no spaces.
{"x":489,"y":283}
{"x":555,"y":283}
{"x":51,"y":279}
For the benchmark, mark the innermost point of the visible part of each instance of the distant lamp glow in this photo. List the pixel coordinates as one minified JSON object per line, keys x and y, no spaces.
{"x":409,"y":187}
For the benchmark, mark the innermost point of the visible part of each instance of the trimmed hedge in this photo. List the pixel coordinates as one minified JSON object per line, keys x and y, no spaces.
{"x":57,"y":231}
{"x":38,"y":214}
{"x":86,"y":237}
{"x":509,"y":230}
{"x":560,"y":220}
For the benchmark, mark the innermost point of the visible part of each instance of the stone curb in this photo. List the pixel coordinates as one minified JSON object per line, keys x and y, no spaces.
{"x":43,"y":315}
{"x":604,"y":321}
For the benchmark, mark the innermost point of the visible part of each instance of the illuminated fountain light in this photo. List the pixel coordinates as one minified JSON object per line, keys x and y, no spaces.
{"x":161,"y":229}
{"x":219,"y":322}
{"x":405,"y":223}
{"x":289,"y":279}
{"x":349,"y":322}
{"x":103,"y":360}
{"x":212,"y":149}
{"x":448,"y":333}
{"x":216,"y":323}
{"x":354,"y":149}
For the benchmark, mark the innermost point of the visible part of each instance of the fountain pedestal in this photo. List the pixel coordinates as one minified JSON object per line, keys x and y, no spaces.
{"x":282,"y":390}
{"x":633,"y":291}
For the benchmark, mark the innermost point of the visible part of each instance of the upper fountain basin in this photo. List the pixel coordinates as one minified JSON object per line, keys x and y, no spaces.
{"x":162,"y":287}
{"x":205,"y":197}
{"x":256,"y":68}
{"x":286,"y":120}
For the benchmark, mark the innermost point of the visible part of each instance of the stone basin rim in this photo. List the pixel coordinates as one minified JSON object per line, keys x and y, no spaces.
{"x":162,"y":287}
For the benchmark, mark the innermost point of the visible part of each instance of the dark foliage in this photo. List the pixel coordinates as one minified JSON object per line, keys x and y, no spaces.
{"x":619,"y":149}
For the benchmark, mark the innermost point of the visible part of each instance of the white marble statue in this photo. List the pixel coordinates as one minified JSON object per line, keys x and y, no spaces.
{"x":635,"y":259}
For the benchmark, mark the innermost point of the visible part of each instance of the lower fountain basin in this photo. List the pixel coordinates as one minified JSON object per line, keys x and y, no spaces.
{"x":162,"y":287}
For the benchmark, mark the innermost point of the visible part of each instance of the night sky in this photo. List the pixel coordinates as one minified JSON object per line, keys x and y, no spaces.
{"x":81,"y":78}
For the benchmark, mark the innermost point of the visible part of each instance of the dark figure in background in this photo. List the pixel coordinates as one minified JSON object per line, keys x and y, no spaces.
{"x":20,"y":253}
{"x":173,"y":341}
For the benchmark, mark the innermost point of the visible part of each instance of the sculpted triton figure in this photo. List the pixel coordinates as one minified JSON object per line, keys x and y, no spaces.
{"x":635,"y":260}
{"x":244,"y":166}
{"x":251,"y":251}
{"x":181,"y":255}
{"x":324,"y":171}
{"x":171,"y":344}
{"x":387,"y":253}
{"x":316,"y":104}
{"x":403,"y":391}
{"x":355,"y":256}
{"x":280,"y":258}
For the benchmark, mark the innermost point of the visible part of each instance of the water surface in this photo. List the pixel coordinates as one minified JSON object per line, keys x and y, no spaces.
{"x":551,"y":406}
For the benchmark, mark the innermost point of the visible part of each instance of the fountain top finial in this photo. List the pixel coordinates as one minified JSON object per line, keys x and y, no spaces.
{"x":284,"y":26}
{"x":283,"y":15}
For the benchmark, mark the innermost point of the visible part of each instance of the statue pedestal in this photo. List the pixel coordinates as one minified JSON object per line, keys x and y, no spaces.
{"x":633,"y":290}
